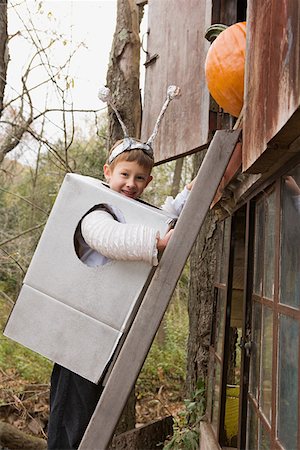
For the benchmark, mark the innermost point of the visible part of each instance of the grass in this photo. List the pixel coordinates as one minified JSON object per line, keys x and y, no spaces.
{"x":30,"y":366}
{"x":166,"y":361}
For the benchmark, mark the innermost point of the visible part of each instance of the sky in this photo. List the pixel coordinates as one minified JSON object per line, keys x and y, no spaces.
{"x":91,"y":23}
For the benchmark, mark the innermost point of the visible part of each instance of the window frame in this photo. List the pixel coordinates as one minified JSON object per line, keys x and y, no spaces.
{"x":250,"y":298}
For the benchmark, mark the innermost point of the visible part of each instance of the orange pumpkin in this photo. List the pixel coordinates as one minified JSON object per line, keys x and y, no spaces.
{"x":225,"y":66}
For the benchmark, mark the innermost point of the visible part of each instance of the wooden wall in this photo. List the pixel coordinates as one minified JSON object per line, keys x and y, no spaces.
{"x":272,"y":83}
{"x":176,"y":35}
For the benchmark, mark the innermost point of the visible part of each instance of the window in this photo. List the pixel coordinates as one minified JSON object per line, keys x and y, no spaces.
{"x":273,"y":399}
{"x":257,"y":308}
{"x":216,"y":355}
{"x":225,"y":353}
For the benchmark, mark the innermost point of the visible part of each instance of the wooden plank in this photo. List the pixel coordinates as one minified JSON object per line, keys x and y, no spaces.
{"x":282,"y":147}
{"x":234,"y":166}
{"x":208,"y":440}
{"x":155,"y":302}
{"x":150,"y":436}
{"x":272,"y":82}
{"x":176,"y":35}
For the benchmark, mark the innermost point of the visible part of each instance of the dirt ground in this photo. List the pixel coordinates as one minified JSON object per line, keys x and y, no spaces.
{"x":26,"y":406}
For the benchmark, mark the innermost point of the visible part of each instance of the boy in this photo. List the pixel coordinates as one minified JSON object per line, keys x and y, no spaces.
{"x":105,"y":235}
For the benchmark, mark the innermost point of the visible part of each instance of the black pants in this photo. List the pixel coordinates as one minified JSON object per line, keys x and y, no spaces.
{"x":73,"y":400}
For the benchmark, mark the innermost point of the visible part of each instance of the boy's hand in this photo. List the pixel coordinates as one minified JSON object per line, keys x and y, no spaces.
{"x":291,"y":184}
{"x":162,"y":243}
{"x":190,"y":185}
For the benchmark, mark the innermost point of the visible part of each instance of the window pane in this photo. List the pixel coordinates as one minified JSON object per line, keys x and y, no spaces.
{"x":255,"y":349}
{"x":225,"y":251}
{"x":219,"y":248}
{"x":251,"y":442}
{"x":231,"y":422}
{"x":266,"y":363}
{"x":269,"y":259}
{"x":216,"y":396}
{"x":220,"y":321}
{"x":264,"y":439}
{"x":288,"y":382}
{"x":258,"y":248}
{"x":290,"y":241}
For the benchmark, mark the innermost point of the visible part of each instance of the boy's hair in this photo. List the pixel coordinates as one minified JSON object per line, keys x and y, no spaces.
{"x":136,"y":155}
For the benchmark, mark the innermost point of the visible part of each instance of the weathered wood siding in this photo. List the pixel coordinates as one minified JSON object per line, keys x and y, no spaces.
{"x":176,"y":34}
{"x":272,"y":82}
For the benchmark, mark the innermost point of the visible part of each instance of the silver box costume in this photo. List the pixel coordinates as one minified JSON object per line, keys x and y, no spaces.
{"x":73,"y":314}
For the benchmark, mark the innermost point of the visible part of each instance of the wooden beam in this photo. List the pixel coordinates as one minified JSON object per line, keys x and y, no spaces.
{"x":158,"y":294}
{"x":150,"y":436}
{"x":233,"y":168}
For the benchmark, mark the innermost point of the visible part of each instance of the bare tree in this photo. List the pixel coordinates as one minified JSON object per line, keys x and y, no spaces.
{"x":201,"y":295}
{"x":123,"y":76}
{"x":3,"y":50}
{"x":177,"y":177}
{"x":19,"y":114}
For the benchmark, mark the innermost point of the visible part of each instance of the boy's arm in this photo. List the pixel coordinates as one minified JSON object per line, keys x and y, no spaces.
{"x":163,"y":242}
{"x":175,"y":205}
{"x":119,"y":241}
{"x":97,"y":224}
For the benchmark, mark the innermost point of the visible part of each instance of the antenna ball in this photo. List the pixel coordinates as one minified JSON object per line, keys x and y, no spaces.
{"x":173,"y":92}
{"x":104,"y":94}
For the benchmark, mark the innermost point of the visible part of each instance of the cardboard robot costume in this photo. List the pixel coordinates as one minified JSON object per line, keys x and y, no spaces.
{"x":67,"y":310}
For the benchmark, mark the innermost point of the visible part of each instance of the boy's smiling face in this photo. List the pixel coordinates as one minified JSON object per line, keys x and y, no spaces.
{"x":128,"y":178}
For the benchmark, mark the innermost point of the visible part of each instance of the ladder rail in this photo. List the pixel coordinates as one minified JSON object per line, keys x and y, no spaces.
{"x":144,"y":327}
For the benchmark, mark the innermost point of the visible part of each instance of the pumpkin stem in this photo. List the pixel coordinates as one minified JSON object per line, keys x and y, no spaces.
{"x":214,"y":30}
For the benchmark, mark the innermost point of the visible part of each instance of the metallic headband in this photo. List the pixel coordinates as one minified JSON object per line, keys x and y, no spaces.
{"x":130,"y":143}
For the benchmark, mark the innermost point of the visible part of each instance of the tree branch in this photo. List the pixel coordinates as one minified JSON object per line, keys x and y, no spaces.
{"x":25,"y":200}
{"x":22,"y":234}
{"x":7,"y":298}
{"x":14,"y":260}
{"x":39,"y":138}
{"x":3,"y":50}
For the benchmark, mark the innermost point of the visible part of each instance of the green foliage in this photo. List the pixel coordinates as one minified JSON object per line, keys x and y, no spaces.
{"x":186,"y":427}
{"x":27,"y":195}
{"x":160,"y":186}
{"x":28,"y":365}
{"x":166,"y":361}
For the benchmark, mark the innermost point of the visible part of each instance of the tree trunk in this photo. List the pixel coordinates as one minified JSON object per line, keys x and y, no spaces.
{"x":201,"y":296}
{"x":177,"y":177}
{"x":3,"y":50}
{"x":123,"y":74}
{"x":123,"y":79}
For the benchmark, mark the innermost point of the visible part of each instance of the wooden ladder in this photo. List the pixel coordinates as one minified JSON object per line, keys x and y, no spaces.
{"x":145,"y":325}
